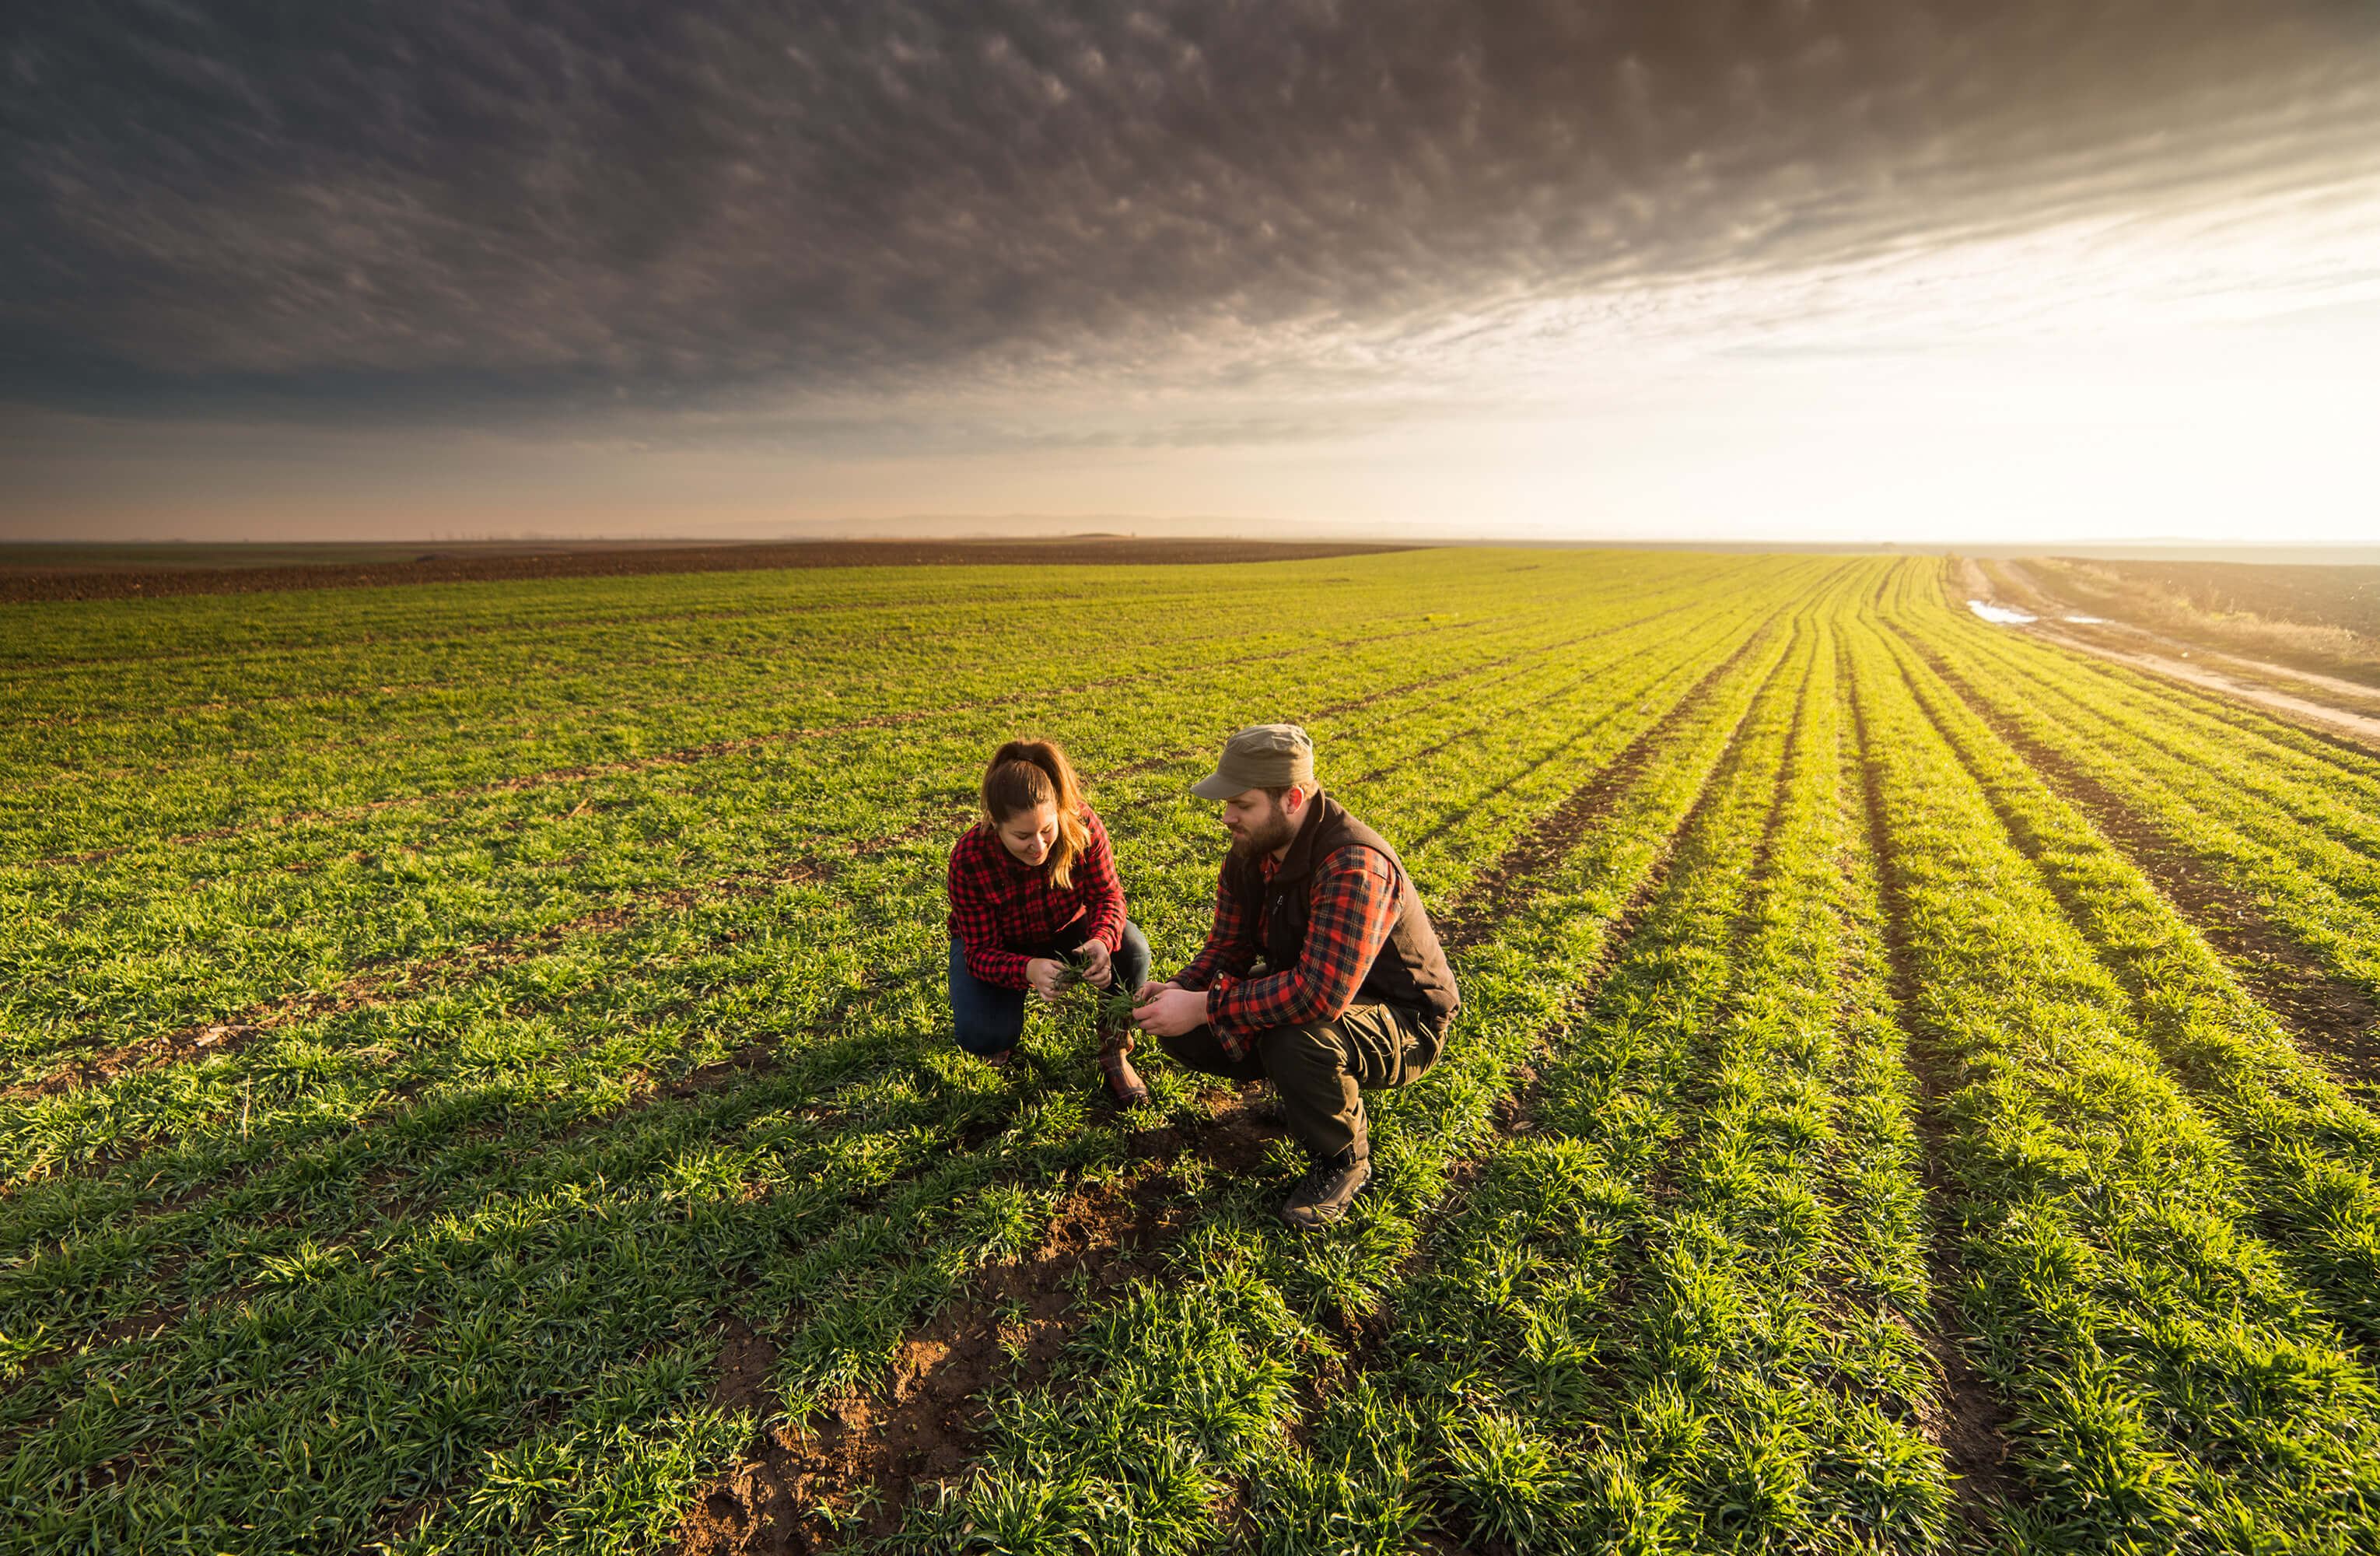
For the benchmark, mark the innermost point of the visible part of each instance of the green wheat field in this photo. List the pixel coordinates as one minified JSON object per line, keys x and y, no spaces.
{"x":475,"y":1076}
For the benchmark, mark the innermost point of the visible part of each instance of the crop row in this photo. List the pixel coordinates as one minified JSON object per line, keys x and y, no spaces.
{"x":2172,"y":1382}
{"x":1679,"y":1308}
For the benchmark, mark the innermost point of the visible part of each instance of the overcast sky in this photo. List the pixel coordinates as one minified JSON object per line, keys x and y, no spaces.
{"x":1826,"y":269}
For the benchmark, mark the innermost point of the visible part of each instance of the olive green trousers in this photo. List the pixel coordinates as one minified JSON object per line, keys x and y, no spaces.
{"x":1322,"y":1069}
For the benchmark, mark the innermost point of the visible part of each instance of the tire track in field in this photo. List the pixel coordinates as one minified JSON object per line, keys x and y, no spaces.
{"x":2332,"y":1018}
{"x":1473,"y":913}
{"x":2136,"y":715}
{"x":1971,"y":1427}
{"x":1512,"y":1113}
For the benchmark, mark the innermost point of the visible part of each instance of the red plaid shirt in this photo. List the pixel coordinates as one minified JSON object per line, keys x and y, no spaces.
{"x":1004,"y":911}
{"x":1350,"y":908}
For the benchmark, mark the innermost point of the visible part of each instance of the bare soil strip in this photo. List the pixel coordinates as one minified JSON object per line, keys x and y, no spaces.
{"x":2333,"y":1020}
{"x":20,"y":585}
{"x":1969,"y":1420}
{"x":1008,"y":1327}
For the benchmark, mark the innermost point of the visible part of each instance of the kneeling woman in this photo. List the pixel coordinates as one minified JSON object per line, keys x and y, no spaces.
{"x":1032,"y":883}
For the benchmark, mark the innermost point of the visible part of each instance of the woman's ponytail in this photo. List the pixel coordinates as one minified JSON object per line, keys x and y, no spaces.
{"x":1025,"y":774}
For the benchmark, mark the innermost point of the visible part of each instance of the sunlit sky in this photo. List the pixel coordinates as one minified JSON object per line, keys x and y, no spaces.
{"x":1828,"y":270}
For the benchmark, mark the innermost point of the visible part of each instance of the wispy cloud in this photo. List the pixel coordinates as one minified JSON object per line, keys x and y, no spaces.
{"x":391,"y":213}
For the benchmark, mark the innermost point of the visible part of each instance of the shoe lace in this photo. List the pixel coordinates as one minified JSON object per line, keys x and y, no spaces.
{"x":1318,"y":1177}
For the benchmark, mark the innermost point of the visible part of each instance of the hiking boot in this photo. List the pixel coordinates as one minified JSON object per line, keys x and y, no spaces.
{"x":1329,"y":1188}
{"x":1125,"y":1086}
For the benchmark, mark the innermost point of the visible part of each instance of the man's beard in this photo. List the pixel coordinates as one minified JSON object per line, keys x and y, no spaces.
{"x":1263,"y":836}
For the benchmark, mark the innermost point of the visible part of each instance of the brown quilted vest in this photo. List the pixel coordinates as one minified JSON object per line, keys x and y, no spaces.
{"x":1411,"y":969}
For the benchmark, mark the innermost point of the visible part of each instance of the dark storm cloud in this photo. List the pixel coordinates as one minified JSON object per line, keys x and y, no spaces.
{"x":382,"y":210}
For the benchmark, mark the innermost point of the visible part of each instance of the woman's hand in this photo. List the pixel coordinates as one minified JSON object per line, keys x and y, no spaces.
{"x":1041,"y":977}
{"x":1097,"y":971}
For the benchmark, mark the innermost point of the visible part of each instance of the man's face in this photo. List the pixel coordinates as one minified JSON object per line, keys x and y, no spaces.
{"x":1257,"y":822}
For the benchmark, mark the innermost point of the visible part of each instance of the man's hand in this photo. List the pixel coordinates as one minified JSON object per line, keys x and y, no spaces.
{"x":1169,"y":1012}
{"x":1096,"y":971}
{"x":1041,"y":977}
{"x":1150,"y":989}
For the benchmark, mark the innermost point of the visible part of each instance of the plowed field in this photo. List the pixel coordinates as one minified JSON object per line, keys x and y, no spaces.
{"x":474,"y":1076}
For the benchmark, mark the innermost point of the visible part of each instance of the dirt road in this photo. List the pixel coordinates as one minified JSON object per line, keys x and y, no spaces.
{"x":2163,"y":656}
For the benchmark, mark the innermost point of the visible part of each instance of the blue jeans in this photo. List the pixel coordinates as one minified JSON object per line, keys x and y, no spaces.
{"x":988,"y":1020}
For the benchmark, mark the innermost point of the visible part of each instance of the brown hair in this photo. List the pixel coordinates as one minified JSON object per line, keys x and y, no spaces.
{"x":1025,"y":774}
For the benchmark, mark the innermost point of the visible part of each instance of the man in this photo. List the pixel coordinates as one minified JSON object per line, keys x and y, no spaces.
{"x":1354,"y":992}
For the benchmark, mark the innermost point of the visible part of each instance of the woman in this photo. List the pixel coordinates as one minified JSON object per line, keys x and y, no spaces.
{"x":1033,"y":883}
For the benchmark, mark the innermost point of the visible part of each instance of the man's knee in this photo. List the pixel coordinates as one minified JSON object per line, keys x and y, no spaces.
{"x":1199,"y":1049}
{"x":1310,"y":1048}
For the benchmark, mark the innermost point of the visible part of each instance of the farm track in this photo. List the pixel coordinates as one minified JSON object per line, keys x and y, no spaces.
{"x":2333,"y":1019}
{"x":2282,"y":823}
{"x":2105,"y":705}
{"x":2083,"y":1107}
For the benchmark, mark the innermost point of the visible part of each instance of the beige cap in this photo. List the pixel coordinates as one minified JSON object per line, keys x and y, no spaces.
{"x":1260,"y":757}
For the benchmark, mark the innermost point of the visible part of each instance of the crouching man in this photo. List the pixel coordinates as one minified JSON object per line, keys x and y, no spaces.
{"x":1353,"y":992}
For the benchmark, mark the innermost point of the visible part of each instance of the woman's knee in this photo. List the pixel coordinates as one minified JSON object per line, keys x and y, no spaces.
{"x":984,"y":1038}
{"x":985,"y":1020}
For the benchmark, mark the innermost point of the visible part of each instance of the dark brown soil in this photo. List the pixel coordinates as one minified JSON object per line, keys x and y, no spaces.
{"x":1967,"y":1419}
{"x":2332,"y":1018}
{"x":21,"y":584}
{"x":1009,"y":1325}
{"x":1546,"y":844}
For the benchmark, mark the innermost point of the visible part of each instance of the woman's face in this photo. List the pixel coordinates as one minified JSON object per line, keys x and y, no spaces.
{"x":1030,"y":834}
